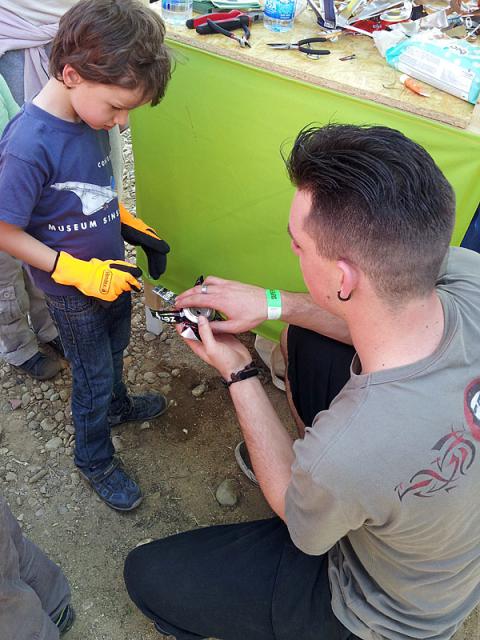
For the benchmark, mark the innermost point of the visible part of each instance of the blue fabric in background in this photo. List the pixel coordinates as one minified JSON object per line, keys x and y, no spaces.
{"x":471,"y":239}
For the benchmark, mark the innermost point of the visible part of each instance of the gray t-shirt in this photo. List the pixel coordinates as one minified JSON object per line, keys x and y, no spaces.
{"x":388,"y":482}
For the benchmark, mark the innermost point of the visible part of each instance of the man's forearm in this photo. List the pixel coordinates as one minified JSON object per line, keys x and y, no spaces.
{"x":269,"y":445}
{"x":21,"y":245}
{"x":299,"y":309}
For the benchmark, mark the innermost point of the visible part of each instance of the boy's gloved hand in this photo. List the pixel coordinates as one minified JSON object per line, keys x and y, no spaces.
{"x":136,"y":232}
{"x":103,"y":279}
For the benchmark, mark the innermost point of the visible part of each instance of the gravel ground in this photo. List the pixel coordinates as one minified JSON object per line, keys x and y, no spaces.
{"x":180,"y":461}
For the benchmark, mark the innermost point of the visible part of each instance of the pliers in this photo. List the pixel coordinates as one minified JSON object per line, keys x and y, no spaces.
{"x":240,"y":21}
{"x":302,"y":45}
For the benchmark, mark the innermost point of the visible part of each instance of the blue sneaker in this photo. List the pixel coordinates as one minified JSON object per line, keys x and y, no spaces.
{"x":66,"y":619}
{"x":114,"y":486}
{"x":139,"y":408}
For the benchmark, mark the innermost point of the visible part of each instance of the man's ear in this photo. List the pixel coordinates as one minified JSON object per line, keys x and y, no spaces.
{"x":70,"y":77}
{"x":349,"y":278}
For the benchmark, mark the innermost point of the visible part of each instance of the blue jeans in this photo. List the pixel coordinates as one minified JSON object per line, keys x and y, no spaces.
{"x":94,"y":338}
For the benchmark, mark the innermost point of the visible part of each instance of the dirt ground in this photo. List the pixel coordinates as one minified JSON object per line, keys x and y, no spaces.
{"x":179,"y":461}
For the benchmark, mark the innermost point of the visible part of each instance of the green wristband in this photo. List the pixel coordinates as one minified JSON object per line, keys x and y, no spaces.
{"x":274,"y":304}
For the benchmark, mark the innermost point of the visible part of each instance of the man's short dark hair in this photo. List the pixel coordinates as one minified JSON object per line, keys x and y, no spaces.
{"x":116,"y":42}
{"x":379,"y":200}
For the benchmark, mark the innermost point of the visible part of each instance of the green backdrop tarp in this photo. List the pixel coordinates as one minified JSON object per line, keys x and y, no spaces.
{"x":211,"y":180}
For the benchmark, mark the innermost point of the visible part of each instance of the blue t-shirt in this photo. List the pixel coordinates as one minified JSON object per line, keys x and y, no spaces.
{"x":56,"y":183}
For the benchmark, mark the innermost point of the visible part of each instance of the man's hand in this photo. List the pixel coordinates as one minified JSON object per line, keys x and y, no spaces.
{"x":103,"y":279}
{"x":225,"y":353}
{"x":137,"y":233}
{"x":244,"y":305}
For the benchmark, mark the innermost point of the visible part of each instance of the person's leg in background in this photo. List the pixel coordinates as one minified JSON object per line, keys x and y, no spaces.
{"x":40,"y":318}
{"x":317,"y":369}
{"x":34,"y":592}
{"x":18,"y":342}
{"x":12,"y":65}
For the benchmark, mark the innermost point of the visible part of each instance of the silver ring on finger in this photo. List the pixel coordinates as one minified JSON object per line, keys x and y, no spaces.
{"x":204,"y":288}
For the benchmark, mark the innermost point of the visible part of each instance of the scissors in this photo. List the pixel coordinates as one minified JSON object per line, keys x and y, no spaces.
{"x":303,"y":46}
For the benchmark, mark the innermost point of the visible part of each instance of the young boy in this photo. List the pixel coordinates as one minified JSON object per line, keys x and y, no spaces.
{"x":59,"y":213}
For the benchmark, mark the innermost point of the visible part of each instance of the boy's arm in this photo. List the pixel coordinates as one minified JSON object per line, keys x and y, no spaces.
{"x":103,"y":279}
{"x":21,"y":245}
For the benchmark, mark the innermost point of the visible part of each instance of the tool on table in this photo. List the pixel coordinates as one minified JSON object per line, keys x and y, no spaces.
{"x":414,"y":86}
{"x":254,"y":16}
{"x":303,"y":46}
{"x":226,"y":28}
{"x":193,"y":23}
{"x":187,"y":316}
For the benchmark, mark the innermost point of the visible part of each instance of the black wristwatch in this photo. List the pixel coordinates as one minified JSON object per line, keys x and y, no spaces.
{"x":249,"y":371}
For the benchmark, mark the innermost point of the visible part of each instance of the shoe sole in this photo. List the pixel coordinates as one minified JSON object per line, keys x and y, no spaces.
{"x":134,"y":506}
{"x":156,"y":415}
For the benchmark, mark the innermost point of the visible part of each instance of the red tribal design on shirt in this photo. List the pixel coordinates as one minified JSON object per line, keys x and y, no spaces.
{"x":455,"y":453}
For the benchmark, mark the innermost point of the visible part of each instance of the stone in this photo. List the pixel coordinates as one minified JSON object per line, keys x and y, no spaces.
{"x":164,"y":374}
{"x":149,"y":337}
{"x":64,"y":395}
{"x":199,"y":390}
{"x":145,"y":425}
{"x":11,"y":477}
{"x":26,"y":399}
{"x":131,"y":376}
{"x":150,"y":377}
{"x":59,"y":416}
{"x":38,"y":476}
{"x":175,"y":373}
{"x":227,"y":493}
{"x":15,"y":403}
{"x":47,"y":425}
{"x":165,"y":389}
{"x":117,"y":444}
{"x":54,"y":443}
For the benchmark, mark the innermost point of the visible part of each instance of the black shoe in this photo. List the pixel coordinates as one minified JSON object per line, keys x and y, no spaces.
{"x":114,"y":486}
{"x":66,"y":619}
{"x":243,"y":460}
{"x":41,"y":366}
{"x":139,"y":408}
{"x":57,"y":346}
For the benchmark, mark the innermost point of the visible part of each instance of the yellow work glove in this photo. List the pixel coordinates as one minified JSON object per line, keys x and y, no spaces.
{"x":103,"y":279}
{"x":136,"y":232}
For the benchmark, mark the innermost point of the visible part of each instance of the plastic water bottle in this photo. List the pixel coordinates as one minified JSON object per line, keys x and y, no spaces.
{"x":176,"y":12}
{"x":278,"y":15}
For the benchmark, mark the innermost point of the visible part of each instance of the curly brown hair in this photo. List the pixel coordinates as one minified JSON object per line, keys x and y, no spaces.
{"x":115,"y":42}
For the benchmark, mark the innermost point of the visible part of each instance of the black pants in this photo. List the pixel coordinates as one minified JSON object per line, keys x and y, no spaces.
{"x":247,"y":581}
